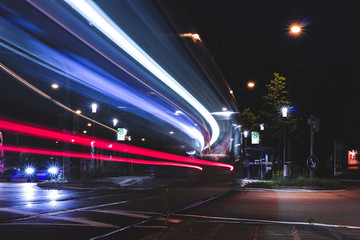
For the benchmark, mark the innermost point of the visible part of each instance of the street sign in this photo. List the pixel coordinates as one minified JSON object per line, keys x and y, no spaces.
{"x":312,"y":162}
{"x":255,"y":138}
{"x":121,"y":134}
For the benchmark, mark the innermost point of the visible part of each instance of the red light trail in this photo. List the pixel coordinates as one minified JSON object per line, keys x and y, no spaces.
{"x":83,"y":140}
{"x":99,"y":157}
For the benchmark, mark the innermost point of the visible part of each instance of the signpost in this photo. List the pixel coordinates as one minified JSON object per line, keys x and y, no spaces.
{"x":255,"y":138}
{"x":121,"y":134}
{"x":312,"y":162}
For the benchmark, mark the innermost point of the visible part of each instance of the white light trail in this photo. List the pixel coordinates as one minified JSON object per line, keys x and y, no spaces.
{"x":90,"y":11}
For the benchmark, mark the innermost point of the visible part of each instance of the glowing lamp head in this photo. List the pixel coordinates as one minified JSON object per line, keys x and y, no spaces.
{"x":55,"y":86}
{"x":251,"y":84}
{"x":284,"y":112}
{"x":115,"y":122}
{"x":93,"y":107}
{"x":246,"y":133}
{"x":295,"y":29}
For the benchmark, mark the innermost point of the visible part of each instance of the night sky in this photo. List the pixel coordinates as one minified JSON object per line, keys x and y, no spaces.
{"x":249,"y":41}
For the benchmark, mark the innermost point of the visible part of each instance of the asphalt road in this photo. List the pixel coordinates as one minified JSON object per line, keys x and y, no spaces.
{"x":27,"y":211}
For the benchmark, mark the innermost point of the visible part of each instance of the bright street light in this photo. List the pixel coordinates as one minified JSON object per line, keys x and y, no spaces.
{"x":284,"y":112}
{"x":295,"y":29}
{"x":115,"y":121}
{"x":251,"y":84}
{"x":55,"y":86}
{"x":246,"y":133}
{"x":93,"y":107}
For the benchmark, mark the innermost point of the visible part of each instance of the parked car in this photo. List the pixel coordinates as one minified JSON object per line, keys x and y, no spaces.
{"x":11,"y":174}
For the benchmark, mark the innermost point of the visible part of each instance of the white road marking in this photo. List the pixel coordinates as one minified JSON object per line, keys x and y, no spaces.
{"x":267,"y":221}
{"x":134,"y":214}
{"x":83,"y":221}
{"x":123,"y":213}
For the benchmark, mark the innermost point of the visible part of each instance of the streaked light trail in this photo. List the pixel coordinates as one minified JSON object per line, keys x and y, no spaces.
{"x":99,"y":157}
{"x":90,"y":11}
{"x":100,"y":143}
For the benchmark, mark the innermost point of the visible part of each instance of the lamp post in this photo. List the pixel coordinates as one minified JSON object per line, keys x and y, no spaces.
{"x":284,"y":114}
{"x":246,"y":134}
{"x":94,"y":108}
{"x":262,"y":128}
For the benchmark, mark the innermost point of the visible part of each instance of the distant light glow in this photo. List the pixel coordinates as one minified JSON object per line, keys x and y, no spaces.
{"x":53,"y":170}
{"x":194,"y":36}
{"x":251,"y":84}
{"x":29,"y":170}
{"x":78,"y":111}
{"x":55,"y":86}
{"x":295,"y":29}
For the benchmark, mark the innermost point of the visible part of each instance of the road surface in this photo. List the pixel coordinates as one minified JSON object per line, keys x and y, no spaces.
{"x":27,"y":211}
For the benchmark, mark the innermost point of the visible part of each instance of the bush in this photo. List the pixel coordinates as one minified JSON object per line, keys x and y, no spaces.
{"x":278,"y":180}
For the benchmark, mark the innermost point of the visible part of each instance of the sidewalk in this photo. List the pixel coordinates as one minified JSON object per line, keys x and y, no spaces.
{"x":227,"y":230}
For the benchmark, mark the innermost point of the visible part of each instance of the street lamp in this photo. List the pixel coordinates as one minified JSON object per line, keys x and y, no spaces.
{"x":262,"y":128}
{"x":246,"y":134}
{"x":251,"y":84}
{"x":295,"y":29}
{"x":284,"y":113}
{"x":115,"y":121}
{"x":93,"y":107}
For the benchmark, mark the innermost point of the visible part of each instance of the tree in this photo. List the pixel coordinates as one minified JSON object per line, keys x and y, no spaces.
{"x":275,"y":98}
{"x":249,"y":120}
